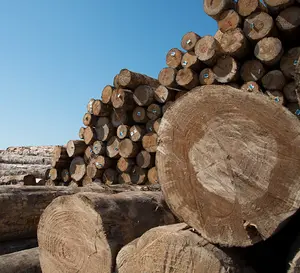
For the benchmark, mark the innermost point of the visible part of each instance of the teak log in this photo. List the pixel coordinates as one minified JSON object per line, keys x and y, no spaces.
{"x":226,"y":69}
{"x":145,"y":160}
{"x":99,"y":147}
{"x":132,"y":80}
{"x":110,"y":176}
{"x":139,"y":115}
{"x":153,"y":176}
{"x":214,"y":8}
{"x":289,"y":62}
{"x":144,"y":95}
{"x":233,"y":190}
{"x":125,"y":164}
{"x":149,"y":142}
{"x":191,"y":61}
{"x":189,"y":41}
{"x":17,"y":245}
{"x":118,"y":117}
{"x":173,"y":58}
{"x":207,"y":77}
{"x":289,"y":92}
{"x":25,"y":261}
{"x":123,"y":131}
{"x":247,"y":7}
{"x":138,"y":175}
{"x":101,"y":109}
{"x":154,"y":111}
{"x":252,"y":70}
{"x":104,"y":129}
{"x":162,"y":94}
{"x":77,"y":168}
{"x":187,"y":78}
{"x":106,"y":94}
{"x":273,"y":80}
{"x":112,"y":147}
{"x":155,"y":251}
{"x":96,"y":226}
{"x":167,"y":77}
{"x":136,"y":132}
{"x":128,"y":148}
{"x":76,"y":147}
{"x":229,"y":20}
{"x":122,"y":98}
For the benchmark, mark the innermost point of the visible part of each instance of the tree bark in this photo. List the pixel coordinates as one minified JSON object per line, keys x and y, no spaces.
{"x":132,"y":80}
{"x":235,"y":172}
{"x":144,"y":95}
{"x":77,"y":168}
{"x":208,"y":50}
{"x":106,"y":94}
{"x":76,"y":147}
{"x":167,"y":77}
{"x":273,"y":80}
{"x":189,"y":41}
{"x":229,"y":20}
{"x":226,"y":69}
{"x":173,"y":58}
{"x":252,"y":70}
{"x":128,"y":148}
{"x":161,"y":244}
{"x":25,"y":261}
{"x":187,"y":78}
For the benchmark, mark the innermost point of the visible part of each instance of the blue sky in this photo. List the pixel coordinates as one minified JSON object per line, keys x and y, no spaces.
{"x":56,"y":55}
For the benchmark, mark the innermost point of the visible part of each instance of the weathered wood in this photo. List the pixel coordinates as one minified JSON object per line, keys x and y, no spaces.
{"x":65,"y":176}
{"x":128,"y":148}
{"x":110,"y":176}
{"x":25,"y":261}
{"x":219,"y":181}
{"x":118,"y":117}
{"x":190,"y":60}
{"x":89,"y":119}
{"x":269,"y":50}
{"x":229,"y":20}
{"x":81,"y":132}
{"x":131,"y":80}
{"x":77,"y":168}
{"x":144,"y":95}
{"x":259,"y":25}
{"x":75,"y":148}
{"x":112,"y":147}
{"x":101,"y":109}
{"x":187,"y":78}
{"x":173,"y":58}
{"x":155,"y":250}
{"x":207,"y":77}
{"x":162,"y":94}
{"x":214,"y":8}
{"x":138,"y":175}
{"x":252,"y":70}
{"x":139,"y":115}
{"x":93,"y":172}
{"x":99,"y":147}
{"x":275,"y":6}
{"x":235,"y":43}
{"x":89,"y":135}
{"x":153,"y":176}
{"x":207,"y":50}
{"x":96,"y":226}
{"x":226,"y":69}
{"x":154,"y":111}
{"x":149,"y":142}
{"x":104,"y":129}
{"x":251,"y":87}
{"x":17,"y":245}
{"x":289,"y":62}
{"x":189,"y":41}
{"x":124,"y":178}
{"x":145,"y":160}
{"x":167,"y":77}
{"x":122,"y":98}
{"x":289,"y":92}
{"x":125,"y":164}
{"x":106,"y":94}
{"x":54,"y":174}
{"x":136,"y":132}
{"x":123,"y":131}
{"x":247,"y":7}
{"x":29,"y":180}
{"x":273,"y":80}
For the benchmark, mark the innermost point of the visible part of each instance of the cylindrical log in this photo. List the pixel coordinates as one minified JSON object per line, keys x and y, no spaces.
{"x":187,"y":78}
{"x":189,"y":41}
{"x":251,"y":87}
{"x":124,"y":178}
{"x":156,"y":125}
{"x":132,"y":80}
{"x":276,"y":96}
{"x":232,"y":179}
{"x":229,"y":20}
{"x":54,"y":174}
{"x":89,"y":106}
{"x":162,"y":94}
{"x":102,"y":162}
{"x":178,"y":95}
{"x":234,"y":43}
{"x":136,"y":132}
{"x":247,"y":7}
{"x":218,"y":35}
{"x":25,"y":261}
{"x":65,"y":176}
{"x":149,"y":126}
{"x":106,"y":94}
{"x":207,"y":77}
{"x":207,"y":50}
{"x":104,"y":129}
{"x":138,"y":175}
{"x":128,"y":148}
{"x":60,"y":163}
{"x":149,"y":142}
{"x":116,"y":81}
{"x":50,"y":183}
{"x":75,"y":148}
{"x":259,"y":25}
{"x":214,"y":8}
{"x":110,"y":176}
{"x":289,"y":92}
{"x":77,"y":168}
{"x":190,"y":60}
{"x":118,"y":117}
{"x":95,"y":227}
{"x":101,"y":109}
{"x":93,"y":172}
{"x":139,"y":115}
{"x":173,"y":58}
{"x":293,"y":264}
{"x":226,"y":69}
{"x":145,"y":160}
{"x":123,"y":131}
{"x":154,"y":111}
{"x":89,"y":119}
{"x":273,"y":80}
{"x":167,"y":77}
{"x":168,"y":104}
{"x":125,"y":164}
{"x":289,"y":62}
{"x":144,"y":95}
{"x":81,"y":132}
{"x":276,"y":6}
{"x":152,"y":175}
{"x":112,"y":147}
{"x":252,"y":70}
{"x":17,"y":245}
{"x":293,"y":107}
{"x":60,"y":152}
{"x":122,"y":98}
{"x":99,"y":147}
{"x":89,"y":135}
{"x":269,"y":50}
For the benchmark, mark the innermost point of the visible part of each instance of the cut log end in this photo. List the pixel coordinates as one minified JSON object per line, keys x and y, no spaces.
{"x":189,"y":41}
{"x":173,"y":58}
{"x":106,"y":94}
{"x":77,"y":168}
{"x":252,"y":70}
{"x":226,"y":69}
{"x":229,"y":20}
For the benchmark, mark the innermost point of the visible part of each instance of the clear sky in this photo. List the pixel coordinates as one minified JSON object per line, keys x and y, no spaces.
{"x":57,"y":54}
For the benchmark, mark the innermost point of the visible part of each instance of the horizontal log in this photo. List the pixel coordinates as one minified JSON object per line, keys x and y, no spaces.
{"x":276,"y":96}
{"x":123,"y":131}
{"x":81,"y":132}
{"x":112,"y":147}
{"x":144,"y":95}
{"x":191,"y":61}
{"x":116,"y":81}
{"x":122,"y":98}
{"x":125,"y":164}
{"x":103,"y":162}
{"x":104,"y":129}
{"x":93,"y":172}
{"x":76,"y":148}
{"x":251,"y":87}
{"x":110,"y":176}
{"x":145,"y":160}
{"x":229,"y":20}
{"x":124,"y":178}
{"x":29,"y":180}
{"x":65,"y":175}
{"x":289,"y":62}
{"x":89,"y":135}
{"x":136,"y":132}
{"x":156,"y":125}
{"x":276,"y":6}
{"x":99,"y":147}
{"x":273,"y":80}
{"x":173,"y":58}
{"x":131,"y":80}
{"x":118,"y":117}
{"x":289,"y":92}
{"x":214,"y":8}
{"x":149,"y":142}
{"x":247,"y":7}
{"x":154,"y":111}
{"x":162,"y":94}
{"x":138,"y":175}
{"x":167,"y":77}
{"x":139,"y":115}
{"x":89,"y":119}
{"x":168,"y":104}
{"x":226,"y":69}
{"x":89,"y":106}
{"x":207,"y":77}
{"x":189,"y":41}
{"x":101,"y":109}
{"x":106,"y":94}
{"x":187,"y":78}
{"x":153,"y":176}
{"x":252,"y":70}
{"x":54,"y":174}
{"x":208,"y":50}
{"x":128,"y":148}
{"x":77,"y":168}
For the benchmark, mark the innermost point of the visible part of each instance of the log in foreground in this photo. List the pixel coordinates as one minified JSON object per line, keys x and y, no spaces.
{"x":25,"y":261}
{"x":234,"y":176}
{"x":177,"y":249}
{"x":95,"y":227}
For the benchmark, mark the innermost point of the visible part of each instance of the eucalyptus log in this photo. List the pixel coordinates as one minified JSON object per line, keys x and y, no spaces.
{"x":60,"y":152}
{"x":173,"y":58}
{"x":149,"y":142}
{"x":153,"y":176}
{"x":128,"y":148}
{"x":99,"y":147}
{"x":138,"y":175}
{"x":289,"y":92}
{"x":118,"y":117}
{"x":95,"y":227}
{"x":106,"y":94}
{"x":187,"y":78}
{"x":81,"y":132}
{"x":136,"y":132}
{"x":131,"y":80}
{"x":125,"y":164}
{"x":123,"y":131}
{"x":89,"y":135}
{"x":247,"y":7}
{"x":144,"y":95}
{"x":110,"y":176}
{"x":208,"y":50}
{"x":273,"y":80}
{"x":269,"y":50}
{"x":77,"y":168}
{"x":207,"y":77}
{"x":251,"y":87}
{"x":191,"y":61}
{"x":122,"y":98}
{"x":214,"y":8}
{"x":216,"y":178}
{"x":75,"y":148}
{"x":167,"y":77}
{"x":154,"y":111}
{"x":112,"y":147}
{"x":139,"y":115}
{"x":104,"y":129}
{"x":189,"y":41}
{"x":162,"y":94}
{"x":226,"y":69}
{"x":252,"y":70}
{"x":145,"y":160}
{"x":289,"y":62}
